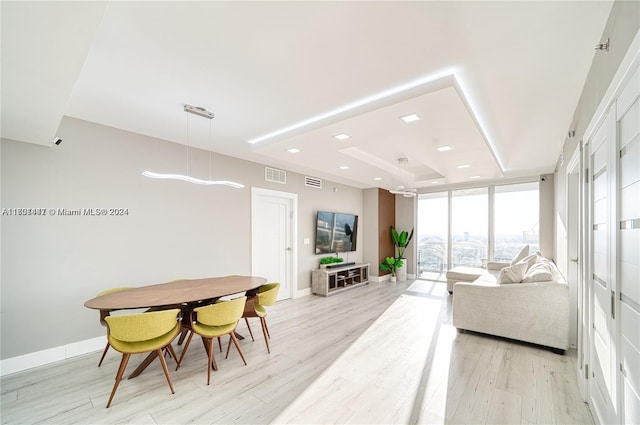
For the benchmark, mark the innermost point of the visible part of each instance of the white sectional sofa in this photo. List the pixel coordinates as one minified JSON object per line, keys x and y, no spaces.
{"x":531,"y":307}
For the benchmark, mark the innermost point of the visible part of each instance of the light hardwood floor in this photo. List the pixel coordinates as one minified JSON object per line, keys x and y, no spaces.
{"x":383,"y":353}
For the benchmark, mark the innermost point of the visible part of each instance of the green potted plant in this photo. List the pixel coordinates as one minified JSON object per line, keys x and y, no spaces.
{"x":401,"y":240}
{"x":391,"y":264}
{"x":327,"y":261}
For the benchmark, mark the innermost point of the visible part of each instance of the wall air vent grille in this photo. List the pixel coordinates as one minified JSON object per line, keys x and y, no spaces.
{"x":274,"y":175}
{"x":312,"y":182}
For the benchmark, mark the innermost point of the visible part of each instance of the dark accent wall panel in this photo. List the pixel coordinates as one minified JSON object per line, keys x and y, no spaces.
{"x":386,"y":219}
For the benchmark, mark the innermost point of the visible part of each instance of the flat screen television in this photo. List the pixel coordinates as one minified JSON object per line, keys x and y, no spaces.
{"x":336,"y":232}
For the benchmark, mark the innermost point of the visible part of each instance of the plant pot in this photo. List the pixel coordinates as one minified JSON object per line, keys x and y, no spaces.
{"x":401,"y":272}
{"x":323,"y":266}
{"x":392,"y":279}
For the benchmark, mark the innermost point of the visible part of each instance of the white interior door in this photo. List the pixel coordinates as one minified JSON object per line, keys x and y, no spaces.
{"x":628,"y":228}
{"x":579,"y":319}
{"x":273,"y":235}
{"x":602,"y":385}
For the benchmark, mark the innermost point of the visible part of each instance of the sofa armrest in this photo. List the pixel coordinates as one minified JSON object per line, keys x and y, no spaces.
{"x":495,"y":265}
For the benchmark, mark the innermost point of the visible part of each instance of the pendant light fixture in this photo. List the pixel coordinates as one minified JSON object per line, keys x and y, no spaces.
{"x":196,"y":110}
{"x":405,"y":181}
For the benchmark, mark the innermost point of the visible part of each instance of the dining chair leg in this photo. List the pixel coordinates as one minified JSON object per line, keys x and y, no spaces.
{"x":211,"y":360}
{"x":172,"y":353}
{"x":104,"y":353}
{"x":249,"y":327}
{"x":264,"y":320}
{"x":166,"y":370}
{"x":265,"y":333}
{"x":235,"y":342}
{"x":184,"y":350}
{"x":183,"y":335}
{"x":205,"y":343}
{"x":220,"y":344}
{"x":123,"y":366}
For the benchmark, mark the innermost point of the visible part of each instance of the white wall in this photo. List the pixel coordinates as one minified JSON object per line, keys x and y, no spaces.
{"x":547,"y":220}
{"x":622,"y":26}
{"x":52,"y":264}
{"x":370,"y":227}
{"x":406,"y":220}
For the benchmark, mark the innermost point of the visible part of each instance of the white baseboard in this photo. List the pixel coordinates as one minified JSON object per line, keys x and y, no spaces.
{"x":384,"y":278}
{"x":51,"y":355}
{"x":387,"y":278}
{"x":303,"y":292}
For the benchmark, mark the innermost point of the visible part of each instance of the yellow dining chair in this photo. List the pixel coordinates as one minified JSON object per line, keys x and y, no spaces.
{"x":143,"y":333}
{"x":267,"y":295}
{"x":105,"y":313}
{"x":183,"y":307}
{"x":213,"y":321}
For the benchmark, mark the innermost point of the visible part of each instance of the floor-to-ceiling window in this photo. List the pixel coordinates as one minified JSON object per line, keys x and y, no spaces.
{"x":432,"y":237}
{"x":516,"y":217}
{"x":468,"y":227}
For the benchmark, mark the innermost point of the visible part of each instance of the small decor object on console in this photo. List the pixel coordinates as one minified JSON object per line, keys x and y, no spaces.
{"x":328,"y":261}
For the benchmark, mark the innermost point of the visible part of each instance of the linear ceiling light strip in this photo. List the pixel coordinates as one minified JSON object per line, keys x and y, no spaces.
{"x":191,"y":179}
{"x":197,"y":110}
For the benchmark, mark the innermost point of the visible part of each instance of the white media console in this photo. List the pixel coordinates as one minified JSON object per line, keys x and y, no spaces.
{"x":327,"y":282}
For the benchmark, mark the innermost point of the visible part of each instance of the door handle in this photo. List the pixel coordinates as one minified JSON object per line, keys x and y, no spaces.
{"x":613,"y":305}
{"x":575,"y":260}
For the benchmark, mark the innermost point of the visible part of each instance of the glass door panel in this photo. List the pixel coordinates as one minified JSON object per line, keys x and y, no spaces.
{"x":469,"y":227}
{"x":433,"y":225}
{"x":516,"y":216}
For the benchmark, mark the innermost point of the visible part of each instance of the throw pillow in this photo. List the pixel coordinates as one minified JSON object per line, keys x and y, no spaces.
{"x":520,"y":255}
{"x":538,"y":274}
{"x":553,"y":269}
{"x":512,"y":274}
{"x":530,"y":260}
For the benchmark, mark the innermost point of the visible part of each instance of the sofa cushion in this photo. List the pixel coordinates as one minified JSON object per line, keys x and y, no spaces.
{"x":512,"y":274}
{"x":520,"y":255}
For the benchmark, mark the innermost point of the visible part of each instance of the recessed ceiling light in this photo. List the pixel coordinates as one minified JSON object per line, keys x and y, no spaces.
{"x":435,"y":182}
{"x":293,"y":150}
{"x":474,"y":177}
{"x":341,"y":136}
{"x":410,"y":118}
{"x":464,"y":166}
{"x":444,"y":148}
{"x":344,"y":167}
{"x":377,"y":178}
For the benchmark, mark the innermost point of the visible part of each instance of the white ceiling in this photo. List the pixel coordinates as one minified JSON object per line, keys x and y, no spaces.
{"x":497,"y":81}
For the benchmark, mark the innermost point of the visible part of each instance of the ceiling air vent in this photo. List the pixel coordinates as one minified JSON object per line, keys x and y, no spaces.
{"x":312,"y":182}
{"x":274,"y":175}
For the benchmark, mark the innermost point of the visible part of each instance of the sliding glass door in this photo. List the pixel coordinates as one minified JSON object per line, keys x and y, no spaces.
{"x":516,"y":216}
{"x":433,"y":225}
{"x":469,"y":227}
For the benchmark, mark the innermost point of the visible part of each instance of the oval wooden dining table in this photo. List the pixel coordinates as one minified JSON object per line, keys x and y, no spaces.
{"x":177,"y":292}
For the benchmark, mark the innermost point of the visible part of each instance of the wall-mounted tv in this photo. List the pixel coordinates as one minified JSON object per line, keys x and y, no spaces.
{"x":336,"y":232}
